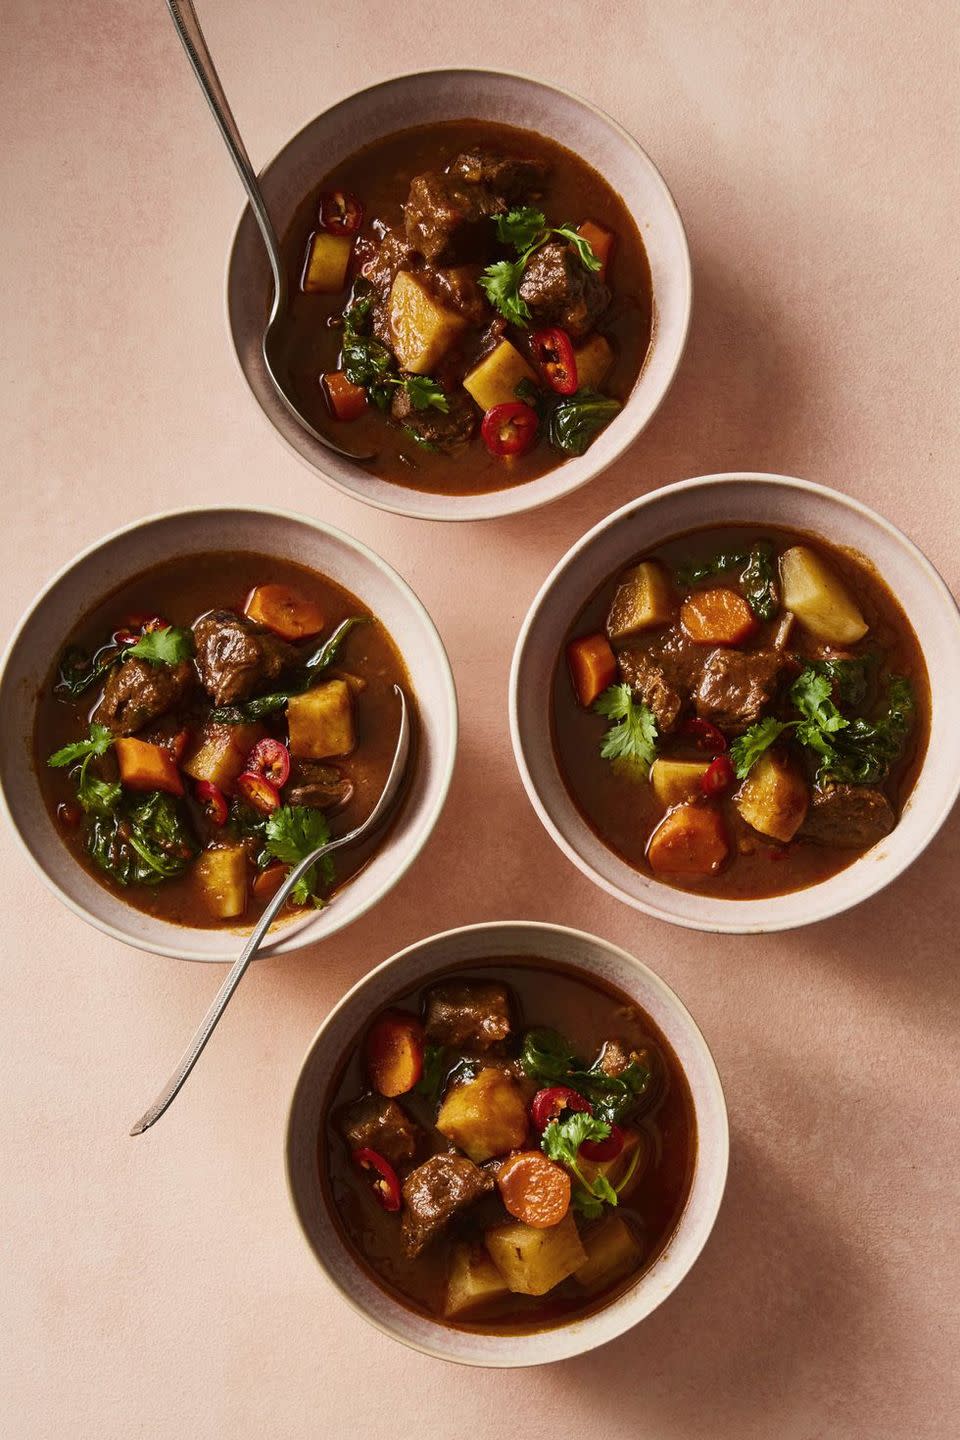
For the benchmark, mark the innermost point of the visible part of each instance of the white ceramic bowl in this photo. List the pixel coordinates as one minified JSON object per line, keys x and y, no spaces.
{"x":111,"y":562}
{"x":511,"y":938}
{"x":454,"y":95}
{"x":718,"y":499}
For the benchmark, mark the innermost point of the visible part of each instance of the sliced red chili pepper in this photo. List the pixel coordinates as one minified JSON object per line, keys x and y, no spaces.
{"x":340,"y":212}
{"x":607,"y":1149}
{"x":719,"y":776}
{"x":553,"y":353}
{"x":509,"y":429}
{"x":707,"y":736}
{"x":126,"y":637}
{"x":549,"y":1104}
{"x":385,"y":1183}
{"x":259,"y":792}
{"x":272,"y":760}
{"x":214,"y":803}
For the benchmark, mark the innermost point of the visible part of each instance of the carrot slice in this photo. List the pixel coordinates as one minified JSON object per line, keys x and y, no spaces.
{"x":346,"y":400}
{"x":717,"y":617}
{"x":267,"y":882}
{"x":147,"y":767}
{"x":394,"y":1053}
{"x":284,"y":611}
{"x":593,"y":666}
{"x":534,"y":1189}
{"x":601,"y":242}
{"x":690,"y":841}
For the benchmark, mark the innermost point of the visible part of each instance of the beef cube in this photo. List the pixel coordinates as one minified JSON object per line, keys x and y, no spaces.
{"x":664,"y":676}
{"x":512,"y":176}
{"x":457,"y":288}
{"x":472,"y":1015}
{"x":375,"y":1123}
{"x":447,"y":221}
{"x":319,"y":786}
{"x":559,"y":290}
{"x":236,"y":657}
{"x":138,"y":692}
{"x":445,"y":431}
{"x":852,"y":817}
{"x":435,"y":1192}
{"x":737,"y":686}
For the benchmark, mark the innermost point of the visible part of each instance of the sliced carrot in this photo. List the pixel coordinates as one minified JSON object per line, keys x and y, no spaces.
{"x":601,"y":242}
{"x":394,"y":1053}
{"x":689,"y":841}
{"x":147,"y":767}
{"x":346,"y":400}
{"x":593,"y":666}
{"x":717,"y":617}
{"x":534,"y":1189}
{"x":267,"y":882}
{"x":284,"y":611}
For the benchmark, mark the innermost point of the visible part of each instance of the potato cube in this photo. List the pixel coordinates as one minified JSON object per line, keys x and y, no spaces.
{"x":494,"y":381}
{"x":222,"y":877}
{"x":321,"y":721}
{"x":774,"y":797}
{"x":485,"y":1116}
{"x":818,"y":597}
{"x":594,"y":360}
{"x":220,"y":753}
{"x":147,"y":767}
{"x":612,"y":1249}
{"x":328,"y":257}
{"x":677,"y":781}
{"x":473,"y":1281}
{"x":422,"y":330}
{"x":534,"y":1261}
{"x":644,"y":599}
{"x":614,"y":1170}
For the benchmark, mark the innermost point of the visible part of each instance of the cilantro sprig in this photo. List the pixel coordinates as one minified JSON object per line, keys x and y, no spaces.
{"x":96,"y":796}
{"x":169,"y":646}
{"x":631,"y":740}
{"x":561,"y":1141}
{"x":526,"y":229}
{"x":290,"y":834}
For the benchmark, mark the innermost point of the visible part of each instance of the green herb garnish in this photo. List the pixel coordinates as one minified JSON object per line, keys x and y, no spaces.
{"x":526,"y":229}
{"x":632,"y":738}
{"x":561,"y":1141}
{"x":756,"y":574}
{"x":169,"y":646}
{"x":369,"y":363}
{"x":290,"y":834}
{"x":142,"y":841}
{"x":263,"y":705}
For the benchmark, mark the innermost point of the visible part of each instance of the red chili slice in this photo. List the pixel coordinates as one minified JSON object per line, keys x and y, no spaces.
{"x":270,"y":759}
{"x":607,"y":1149}
{"x":549,"y":1104}
{"x":259,"y":792}
{"x":212,"y":798}
{"x":509,"y":429}
{"x":707,"y":736}
{"x":340,"y":212}
{"x":384,"y":1182}
{"x":553,"y":353}
{"x":718,"y":777}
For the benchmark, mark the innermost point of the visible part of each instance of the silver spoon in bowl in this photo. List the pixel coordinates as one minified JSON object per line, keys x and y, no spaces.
{"x":376,"y":817}
{"x":191,"y":37}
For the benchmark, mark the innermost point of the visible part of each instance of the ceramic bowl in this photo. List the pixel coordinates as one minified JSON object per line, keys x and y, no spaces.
{"x":593,"y":957}
{"x":718,"y":499}
{"x":453,"y":95}
{"x":118,"y":558}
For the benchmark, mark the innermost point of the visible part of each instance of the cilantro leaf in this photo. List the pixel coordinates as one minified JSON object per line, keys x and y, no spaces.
{"x":748,"y":747}
{"x":633,"y":736}
{"x":589,"y":258}
{"x":521,"y":227}
{"x":97,"y":743}
{"x":561,"y":1141}
{"x":95,"y":796}
{"x":865,"y":750}
{"x":500,"y":282}
{"x":169,"y":646}
{"x":290,"y":834}
{"x":425,"y":394}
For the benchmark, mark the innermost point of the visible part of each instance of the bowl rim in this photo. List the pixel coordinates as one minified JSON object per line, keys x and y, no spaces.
{"x":938,"y":813}
{"x":297,"y":935}
{"x":631,"y":435}
{"x":583,"y":1325}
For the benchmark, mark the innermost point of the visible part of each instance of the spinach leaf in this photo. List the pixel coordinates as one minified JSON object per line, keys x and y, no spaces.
{"x":849,"y":677}
{"x":756,"y":573}
{"x":78,"y":671}
{"x":143,"y":841}
{"x":575,"y":422}
{"x":864,"y":751}
{"x":548,"y":1057}
{"x":434,"y":1072}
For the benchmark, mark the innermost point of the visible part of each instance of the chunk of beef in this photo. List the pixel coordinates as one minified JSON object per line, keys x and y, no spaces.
{"x":852,"y":817}
{"x":320,"y":786}
{"x":375,"y":1123}
{"x":137,"y":692}
{"x":469,"y":1015}
{"x":515,"y":177}
{"x":441,"y":430}
{"x":448,"y":221}
{"x":664,"y":676}
{"x":559,"y":290}
{"x":737,"y":686}
{"x":457,"y":288}
{"x":615,"y":1058}
{"x":434,"y":1193}
{"x":236,"y":657}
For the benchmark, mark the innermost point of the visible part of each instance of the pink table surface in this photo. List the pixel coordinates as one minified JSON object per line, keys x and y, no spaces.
{"x":160,"y":1287}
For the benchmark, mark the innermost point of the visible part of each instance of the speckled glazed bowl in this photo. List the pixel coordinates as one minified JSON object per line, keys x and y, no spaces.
{"x":716,"y":500}
{"x":110,"y":563}
{"x":594,"y":957}
{"x":454,"y":95}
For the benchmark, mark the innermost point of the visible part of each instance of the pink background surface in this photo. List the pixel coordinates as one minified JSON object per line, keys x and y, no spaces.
{"x":160,"y":1287}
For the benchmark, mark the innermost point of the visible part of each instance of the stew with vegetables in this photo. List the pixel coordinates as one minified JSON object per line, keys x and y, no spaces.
{"x":509,"y":1146}
{"x":208,"y":725}
{"x":742,"y":711}
{"x":472,"y":303}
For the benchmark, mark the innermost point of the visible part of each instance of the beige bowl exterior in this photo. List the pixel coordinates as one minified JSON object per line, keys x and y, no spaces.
{"x":453,"y":95}
{"x":639,"y":526}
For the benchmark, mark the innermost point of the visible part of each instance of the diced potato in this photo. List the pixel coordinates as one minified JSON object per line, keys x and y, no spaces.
{"x":147,"y":767}
{"x":774,"y":797}
{"x":485,"y":1116}
{"x":328,"y":257}
{"x":222,"y":877}
{"x":818,"y":597}
{"x":690,"y":841}
{"x":614,"y":1170}
{"x":422,"y":330}
{"x":644,"y":598}
{"x":533,"y":1261}
{"x":612,"y":1249}
{"x":494,"y":381}
{"x":594,"y":359}
{"x":321,"y":721}
{"x":473,"y":1281}
{"x":677,"y":781}
{"x":220,"y":753}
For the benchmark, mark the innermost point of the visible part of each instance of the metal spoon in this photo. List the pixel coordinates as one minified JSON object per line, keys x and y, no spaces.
{"x":376,"y":817}
{"x":191,"y":36}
